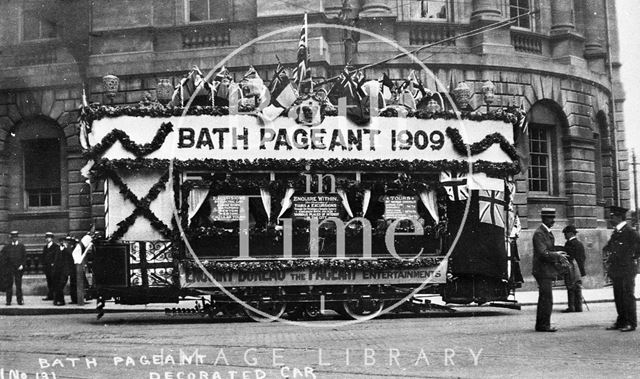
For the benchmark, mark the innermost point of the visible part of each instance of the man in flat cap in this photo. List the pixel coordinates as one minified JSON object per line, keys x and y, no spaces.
{"x":16,"y":258}
{"x":545,"y":255}
{"x":623,"y":251}
{"x":573,"y":279}
{"x":48,"y":256}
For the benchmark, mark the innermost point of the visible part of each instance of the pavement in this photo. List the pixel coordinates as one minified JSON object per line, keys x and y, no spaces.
{"x":34,"y":305}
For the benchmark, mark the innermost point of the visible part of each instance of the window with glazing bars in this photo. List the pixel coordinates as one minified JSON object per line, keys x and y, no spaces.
{"x":208,"y":10}
{"x":520,"y":8}
{"x":42,"y":172}
{"x":540,"y":158}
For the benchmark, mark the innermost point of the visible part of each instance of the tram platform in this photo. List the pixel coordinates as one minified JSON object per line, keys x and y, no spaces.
{"x":34,"y":305}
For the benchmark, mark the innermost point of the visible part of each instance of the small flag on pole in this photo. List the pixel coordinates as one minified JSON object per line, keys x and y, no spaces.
{"x":84,"y":127}
{"x":282,"y":92}
{"x":302,"y":70}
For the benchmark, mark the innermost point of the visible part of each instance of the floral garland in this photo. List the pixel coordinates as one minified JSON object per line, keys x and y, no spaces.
{"x":300,"y":264}
{"x":495,"y":169}
{"x":325,"y":230}
{"x":479,"y":147}
{"x":96,"y":112}
{"x":130,"y":146}
{"x":141,"y":205}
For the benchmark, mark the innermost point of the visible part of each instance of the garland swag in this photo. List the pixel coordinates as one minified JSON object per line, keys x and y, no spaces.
{"x":94,"y":112}
{"x":141,"y":205}
{"x":138,"y":150}
{"x":479,"y":147}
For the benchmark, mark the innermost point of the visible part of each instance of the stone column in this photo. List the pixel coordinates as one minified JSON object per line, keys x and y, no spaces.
{"x":595,"y":43}
{"x":562,"y":17}
{"x":485,"y":10}
{"x":567,"y":45}
{"x":498,"y":41}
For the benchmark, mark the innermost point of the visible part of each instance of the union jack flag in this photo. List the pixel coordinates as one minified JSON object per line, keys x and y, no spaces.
{"x":413,"y":85}
{"x":349,"y":85}
{"x":492,"y":205}
{"x":455,"y":184}
{"x":302,"y":71}
{"x":282,"y":93}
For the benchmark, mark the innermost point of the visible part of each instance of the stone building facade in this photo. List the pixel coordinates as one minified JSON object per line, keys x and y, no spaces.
{"x":560,"y":63}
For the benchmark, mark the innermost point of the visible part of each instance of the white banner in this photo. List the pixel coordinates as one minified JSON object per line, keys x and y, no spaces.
{"x":194,"y":278}
{"x":245,"y":137}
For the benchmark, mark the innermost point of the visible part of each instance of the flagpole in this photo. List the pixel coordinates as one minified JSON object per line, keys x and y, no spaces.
{"x":306,"y":40}
{"x":306,"y":44}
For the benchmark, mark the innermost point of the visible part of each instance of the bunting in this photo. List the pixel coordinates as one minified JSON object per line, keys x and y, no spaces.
{"x":192,"y":85}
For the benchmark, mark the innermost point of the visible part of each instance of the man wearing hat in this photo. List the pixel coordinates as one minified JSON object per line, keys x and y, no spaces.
{"x":62,"y":269}
{"x":16,"y":257}
{"x":48,"y":255}
{"x":573,"y":279}
{"x":623,"y":251}
{"x":545,"y":256}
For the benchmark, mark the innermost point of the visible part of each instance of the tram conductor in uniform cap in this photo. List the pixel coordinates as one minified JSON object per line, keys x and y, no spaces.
{"x":622,"y":251}
{"x":545,"y":257}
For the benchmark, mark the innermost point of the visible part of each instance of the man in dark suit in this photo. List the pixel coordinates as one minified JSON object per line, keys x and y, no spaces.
{"x":48,"y":255}
{"x":623,"y":251}
{"x":545,"y":256}
{"x":62,"y":269}
{"x":16,"y":257}
{"x":573,"y":279}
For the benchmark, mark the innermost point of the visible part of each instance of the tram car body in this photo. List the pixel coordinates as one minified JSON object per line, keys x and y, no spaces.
{"x":288,"y":217}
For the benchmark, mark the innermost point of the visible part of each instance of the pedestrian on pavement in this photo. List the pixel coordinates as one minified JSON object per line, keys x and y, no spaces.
{"x":545,"y":259}
{"x":48,"y":255}
{"x":623,"y":251}
{"x":61,"y":269}
{"x":573,"y":279}
{"x":76,"y":248}
{"x":16,"y":258}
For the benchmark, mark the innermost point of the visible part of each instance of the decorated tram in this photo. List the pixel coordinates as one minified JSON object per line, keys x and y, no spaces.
{"x":276,"y":203}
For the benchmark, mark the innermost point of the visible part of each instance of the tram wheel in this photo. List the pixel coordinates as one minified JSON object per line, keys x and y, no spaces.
{"x":359,"y":309}
{"x":274,"y":309}
{"x":311,"y":311}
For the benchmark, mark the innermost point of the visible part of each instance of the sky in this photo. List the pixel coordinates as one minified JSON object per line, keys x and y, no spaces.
{"x":628,"y":12}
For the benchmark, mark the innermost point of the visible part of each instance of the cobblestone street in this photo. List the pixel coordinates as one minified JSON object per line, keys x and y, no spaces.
{"x":474,"y":342}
